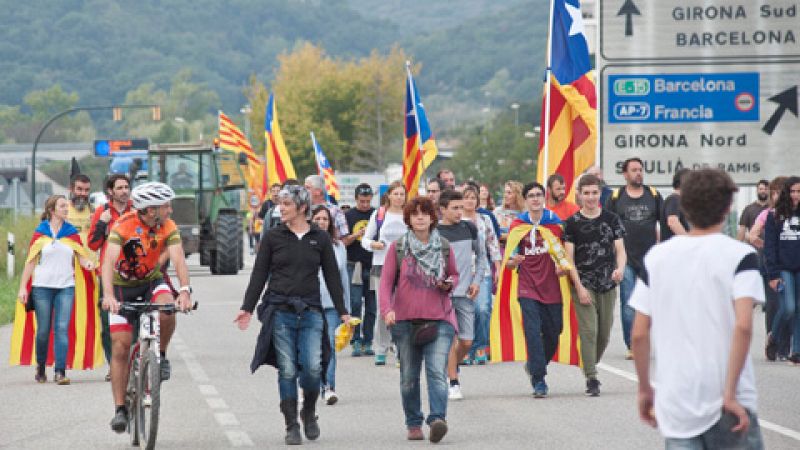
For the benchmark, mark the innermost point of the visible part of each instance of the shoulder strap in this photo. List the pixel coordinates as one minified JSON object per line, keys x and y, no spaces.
{"x":653,"y":191}
{"x":615,"y":193}
{"x":473,"y":229}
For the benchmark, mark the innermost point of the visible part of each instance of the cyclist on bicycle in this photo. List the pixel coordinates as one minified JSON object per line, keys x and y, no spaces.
{"x":132,"y":268}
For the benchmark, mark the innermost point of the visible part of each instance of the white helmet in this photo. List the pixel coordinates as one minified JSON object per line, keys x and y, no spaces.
{"x":151,"y":194}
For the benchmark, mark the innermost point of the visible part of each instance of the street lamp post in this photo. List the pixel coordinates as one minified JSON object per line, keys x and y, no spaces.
{"x":182,"y":121}
{"x":515,"y":107}
{"x":156,"y":116}
{"x":246,"y":110}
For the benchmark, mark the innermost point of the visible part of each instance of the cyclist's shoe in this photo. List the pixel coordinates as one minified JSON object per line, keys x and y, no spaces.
{"x":166,"y":369}
{"x":120,"y":421}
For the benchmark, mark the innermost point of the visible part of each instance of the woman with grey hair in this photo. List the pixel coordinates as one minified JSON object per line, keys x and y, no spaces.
{"x":293,"y":335}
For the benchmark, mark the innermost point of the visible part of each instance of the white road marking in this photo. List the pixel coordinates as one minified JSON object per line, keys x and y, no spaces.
{"x":788,"y":432}
{"x":225,"y":418}
{"x":239,"y":438}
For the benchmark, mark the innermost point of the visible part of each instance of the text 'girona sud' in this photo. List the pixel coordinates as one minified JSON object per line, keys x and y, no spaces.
{"x":733,"y":37}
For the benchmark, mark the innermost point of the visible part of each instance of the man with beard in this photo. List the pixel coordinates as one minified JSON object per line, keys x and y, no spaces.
{"x":639,"y":206}
{"x":748,"y":217}
{"x":557,"y":197}
{"x":118,"y":191}
{"x":80,"y":212}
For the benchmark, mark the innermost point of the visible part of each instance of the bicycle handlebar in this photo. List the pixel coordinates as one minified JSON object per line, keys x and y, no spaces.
{"x":140,"y":307}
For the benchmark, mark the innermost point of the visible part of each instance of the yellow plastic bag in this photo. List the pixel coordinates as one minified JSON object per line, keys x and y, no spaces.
{"x":344,"y":332}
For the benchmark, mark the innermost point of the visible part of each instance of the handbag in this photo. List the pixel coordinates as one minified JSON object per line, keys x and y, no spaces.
{"x":424,"y":331}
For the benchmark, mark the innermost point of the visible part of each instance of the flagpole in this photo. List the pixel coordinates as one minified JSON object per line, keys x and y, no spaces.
{"x":416,"y":119}
{"x":316,"y":157}
{"x":547,"y":85}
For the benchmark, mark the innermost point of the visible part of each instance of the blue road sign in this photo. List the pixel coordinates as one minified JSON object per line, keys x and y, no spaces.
{"x":685,"y":97}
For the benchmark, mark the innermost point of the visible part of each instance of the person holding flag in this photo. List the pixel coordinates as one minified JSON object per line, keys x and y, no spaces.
{"x":531,"y":288}
{"x":57,"y":272}
{"x":419,"y":146}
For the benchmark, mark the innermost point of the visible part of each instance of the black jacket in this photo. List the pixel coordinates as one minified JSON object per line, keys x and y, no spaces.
{"x":292,"y":266}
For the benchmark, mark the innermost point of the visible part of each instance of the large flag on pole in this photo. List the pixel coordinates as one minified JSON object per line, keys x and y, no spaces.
{"x":231,"y":138}
{"x":325,"y":170}
{"x":568,"y":140}
{"x":419,"y":146}
{"x":279,"y":165}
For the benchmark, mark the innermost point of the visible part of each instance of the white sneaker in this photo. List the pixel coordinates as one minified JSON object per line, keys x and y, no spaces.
{"x":454,"y":393}
{"x":330,"y":397}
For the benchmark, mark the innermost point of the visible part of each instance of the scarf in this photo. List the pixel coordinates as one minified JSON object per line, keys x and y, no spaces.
{"x":427,"y":258}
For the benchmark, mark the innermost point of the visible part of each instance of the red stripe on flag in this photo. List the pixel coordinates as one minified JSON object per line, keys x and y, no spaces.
{"x":91,"y":328}
{"x":279,"y":169}
{"x":506,"y":327}
{"x":28,"y":339}
{"x":574,"y":356}
{"x":71,"y":336}
{"x":410,"y":173}
{"x":587,"y":89}
{"x":566,"y":167}
{"x":557,"y":103}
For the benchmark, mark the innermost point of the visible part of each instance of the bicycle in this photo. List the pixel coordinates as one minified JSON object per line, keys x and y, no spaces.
{"x":143,"y":393}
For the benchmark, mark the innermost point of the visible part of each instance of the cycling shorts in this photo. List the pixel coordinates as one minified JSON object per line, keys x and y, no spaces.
{"x":123,"y":321}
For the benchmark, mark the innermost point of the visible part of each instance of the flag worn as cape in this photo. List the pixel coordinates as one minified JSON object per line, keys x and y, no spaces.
{"x":506,"y":334}
{"x":85,"y":349}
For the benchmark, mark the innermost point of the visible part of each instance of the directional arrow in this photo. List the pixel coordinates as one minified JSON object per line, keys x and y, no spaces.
{"x":785,"y":100}
{"x":628,"y":10}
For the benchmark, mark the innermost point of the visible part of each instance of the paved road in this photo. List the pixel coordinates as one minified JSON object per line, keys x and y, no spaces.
{"x":212,"y":401}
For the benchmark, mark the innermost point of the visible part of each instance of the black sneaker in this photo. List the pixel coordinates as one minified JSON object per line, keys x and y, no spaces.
{"x":120,"y":421}
{"x":771,"y":349}
{"x":166,"y":369}
{"x":592,"y":387}
{"x":794,"y":358}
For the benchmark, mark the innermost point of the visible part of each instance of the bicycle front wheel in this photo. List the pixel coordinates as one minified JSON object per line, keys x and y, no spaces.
{"x":149,"y":399}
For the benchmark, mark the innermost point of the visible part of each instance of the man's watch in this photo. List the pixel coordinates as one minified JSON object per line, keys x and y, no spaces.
{"x":187,"y":289}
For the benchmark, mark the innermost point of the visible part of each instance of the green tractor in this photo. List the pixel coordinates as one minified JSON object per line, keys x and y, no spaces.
{"x":208,"y":185}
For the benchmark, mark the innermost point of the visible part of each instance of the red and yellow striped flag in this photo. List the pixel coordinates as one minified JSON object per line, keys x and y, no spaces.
{"x":419,"y":146}
{"x":506,"y":333}
{"x":231,"y":138}
{"x":85,"y":350}
{"x":279,"y":164}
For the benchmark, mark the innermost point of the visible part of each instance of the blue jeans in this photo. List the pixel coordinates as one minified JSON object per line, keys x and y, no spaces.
{"x":542,"y":324}
{"x":435,"y":354}
{"x":626,"y":313}
{"x":45,"y":301}
{"x":357,"y":293}
{"x":332,"y":320}
{"x":298,"y":346}
{"x":721,"y":436}
{"x":483,"y":317}
{"x":786,"y":318}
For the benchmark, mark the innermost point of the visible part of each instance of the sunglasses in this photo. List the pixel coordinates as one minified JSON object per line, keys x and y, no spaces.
{"x":363,"y":191}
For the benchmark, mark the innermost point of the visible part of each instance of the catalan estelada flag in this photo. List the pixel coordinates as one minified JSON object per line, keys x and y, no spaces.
{"x":325,"y":170}
{"x":279,"y":165}
{"x":419,"y":146}
{"x":571,"y":134}
{"x":231,"y":138}
{"x":85,"y":349}
{"x":506,"y":333}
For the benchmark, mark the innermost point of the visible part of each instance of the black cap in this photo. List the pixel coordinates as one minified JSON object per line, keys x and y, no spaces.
{"x":364,"y":189}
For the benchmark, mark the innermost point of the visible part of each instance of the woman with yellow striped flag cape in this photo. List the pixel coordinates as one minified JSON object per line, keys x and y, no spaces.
{"x":533,"y":319}
{"x":58,"y":280}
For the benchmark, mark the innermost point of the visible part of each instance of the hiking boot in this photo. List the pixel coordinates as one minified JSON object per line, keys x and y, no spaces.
{"x":166,"y":369}
{"x":289,"y":410}
{"x":309,"y":415}
{"x":368,"y":351}
{"x":540,"y":389}
{"x":438,"y":430}
{"x":592,"y":387}
{"x":61,"y":378}
{"x":415,"y":434}
{"x":41,"y":376}
{"x":120,"y":421}
{"x":380,"y":360}
{"x":356,"y":349}
{"x":454,"y":393}
{"x":771,"y":349}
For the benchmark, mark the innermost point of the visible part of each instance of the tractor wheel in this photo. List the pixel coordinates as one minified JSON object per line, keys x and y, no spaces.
{"x":205,"y":256}
{"x":229,"y":237}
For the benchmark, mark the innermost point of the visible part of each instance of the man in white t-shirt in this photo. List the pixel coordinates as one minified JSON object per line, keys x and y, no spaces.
{"x":694,"y":307}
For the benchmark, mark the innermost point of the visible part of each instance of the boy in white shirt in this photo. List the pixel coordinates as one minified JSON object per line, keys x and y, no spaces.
{"x":694,"y":306}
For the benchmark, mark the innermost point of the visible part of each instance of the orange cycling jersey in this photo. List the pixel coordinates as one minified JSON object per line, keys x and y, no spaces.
{"x":141,"y":247}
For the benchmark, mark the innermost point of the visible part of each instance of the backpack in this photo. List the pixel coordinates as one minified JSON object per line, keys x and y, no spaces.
{"x":400,"y":253}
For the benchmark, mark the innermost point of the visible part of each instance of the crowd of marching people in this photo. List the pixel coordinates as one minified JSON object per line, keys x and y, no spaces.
{"x":449,"y":278}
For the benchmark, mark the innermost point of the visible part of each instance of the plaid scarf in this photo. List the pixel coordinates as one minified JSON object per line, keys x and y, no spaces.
{"x":427,"y":257}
